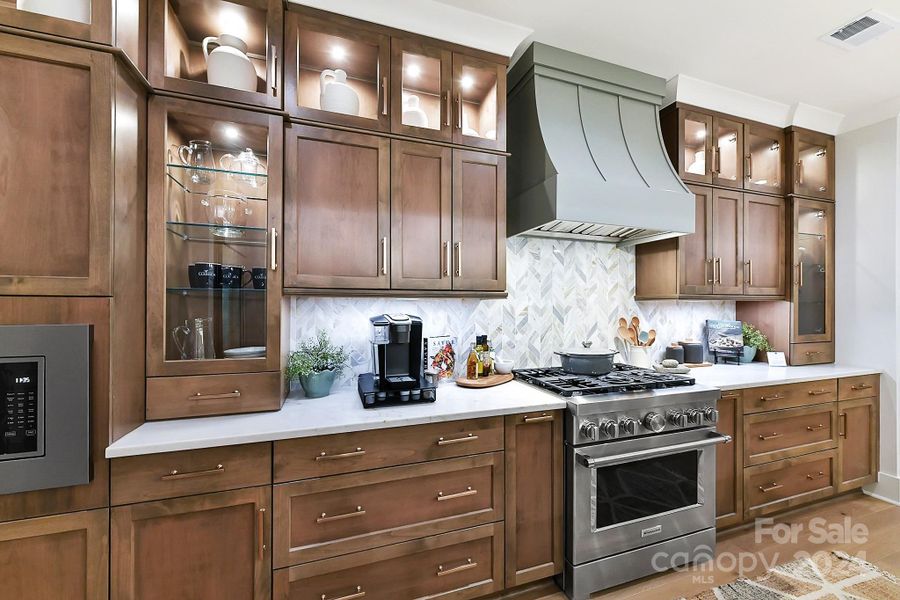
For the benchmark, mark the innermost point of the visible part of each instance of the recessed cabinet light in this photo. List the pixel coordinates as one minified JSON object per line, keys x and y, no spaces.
{"x":467,"y":82}
{"x":231,"y":132}
{"x":338,"y":52}
{"x":413,"y":71}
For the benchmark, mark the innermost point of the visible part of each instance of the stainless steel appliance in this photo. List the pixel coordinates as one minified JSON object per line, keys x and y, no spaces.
{"x":397,"y":376}
{"x":640,"y":473}
{"x":45,"y":404}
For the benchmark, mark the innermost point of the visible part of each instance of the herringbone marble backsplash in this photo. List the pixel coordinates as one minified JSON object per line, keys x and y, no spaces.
{"x":560,"y":293}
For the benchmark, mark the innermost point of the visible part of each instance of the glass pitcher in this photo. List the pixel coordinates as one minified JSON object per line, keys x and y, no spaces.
{"x":194,"y":339}
{"x":247,"y":163}
{"x":198,"y":153}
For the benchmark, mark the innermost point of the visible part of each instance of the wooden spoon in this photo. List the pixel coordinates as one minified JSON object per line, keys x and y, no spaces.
{"x":636,"y":323}
{"x":623,"y":333}
{"x":651,"y":335}
{"x":623,"y":324}
{"x":632,"y":336}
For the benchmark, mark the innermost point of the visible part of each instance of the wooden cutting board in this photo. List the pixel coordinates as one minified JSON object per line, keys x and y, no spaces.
{"x":484,"y":382}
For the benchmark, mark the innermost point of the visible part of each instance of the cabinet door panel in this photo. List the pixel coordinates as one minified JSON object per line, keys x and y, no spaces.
{"x":812,"y":164}
{"x":479,"y":95}
{"x":695,"y":250}
{"x":420,"y":216}
{"x":813,"y":272}
{"x":479,"y":221}
{"x":87,"y":21}
{"x":728,"y":148}
{"x":696,"y":134}
{"x":729,"y":466}
{"x":764,"y":254}
{"x":728,"y":242}
{"x":423,"y":106}
{"x":857,"y":443}
{"x":336,"y":209}
{"x":55,"y":169}
{"x":764,"y":154}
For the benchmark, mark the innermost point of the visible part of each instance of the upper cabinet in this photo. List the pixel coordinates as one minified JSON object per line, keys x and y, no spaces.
{"x":688,"y":137}
{"x":764,"y":156}
{"x":227,"y":50}
{"x":479,"y":89}
{"x":424,"y":106}
{"x":812,"y":163}
{"x":727,"y":153}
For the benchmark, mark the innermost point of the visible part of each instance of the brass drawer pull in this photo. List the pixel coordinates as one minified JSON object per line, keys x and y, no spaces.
{"x":469,"y":492}
{"x":471,"y":437}
{"x":813,"y":353}
{"x":816,"y":428}
{"x":544,"y":418}
{"x":817,"y":392}
{"x":359,"y":593}
{"x":843,"y":428}
{"x":820,"y":475}
{"x":175,"y":475}
{"x":772,"y":486}
{"x":860,"y":387}
{"x":463,"y":567}
{"x":223,"y":396}
{"x":325,"y":456}
{"x":350,"y":515}
{"x":772,"y":397}
{"x":771,"y":436}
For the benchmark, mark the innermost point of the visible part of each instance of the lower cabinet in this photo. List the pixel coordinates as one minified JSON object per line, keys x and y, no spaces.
{"x":784,"y":484}
{"x":194,"y":548}
{"x":857,"y":442}
{"x":729,"y":484}
{"x":61,"y":556}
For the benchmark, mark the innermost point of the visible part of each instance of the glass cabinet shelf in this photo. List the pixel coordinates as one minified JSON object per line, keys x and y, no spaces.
{"x":188,"y":291}
{"x":218,"y":234}
{"x":206,"y":180}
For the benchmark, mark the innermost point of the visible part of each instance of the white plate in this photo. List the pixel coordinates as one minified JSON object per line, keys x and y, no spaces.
{"x":246,"y":352}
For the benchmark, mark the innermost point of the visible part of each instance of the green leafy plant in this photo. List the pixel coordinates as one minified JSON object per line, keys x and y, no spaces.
{"x":755,"y":338}
{"x":315,"y":355}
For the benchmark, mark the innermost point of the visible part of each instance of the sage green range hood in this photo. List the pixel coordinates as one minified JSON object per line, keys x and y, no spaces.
{"x":587,"y":157}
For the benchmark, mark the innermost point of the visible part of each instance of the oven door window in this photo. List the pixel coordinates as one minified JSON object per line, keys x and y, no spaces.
{"x":645,"y":488}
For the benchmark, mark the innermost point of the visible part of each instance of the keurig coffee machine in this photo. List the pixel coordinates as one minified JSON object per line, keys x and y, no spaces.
{"x":397,"y":376}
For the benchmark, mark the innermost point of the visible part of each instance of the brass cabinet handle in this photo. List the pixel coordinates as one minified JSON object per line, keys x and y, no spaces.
{"x":800,"y":274}
{"x":459,"y":116}
{"x":468,"y":492}
{"x":448,"y":108}
{"x":799,"y":172}
{"x":727,"y":396}
{"x":816,"y":392}
{"x":862,"y":386}
{"x":274,"y":78}
{"x":772,"y":486}
{"x":447,"y":259}
{"x":842,"y":431}
{"x":174,"y":474}
{"x":359,"y":593}
{"x":716,"y":161}
{"x":717,"y":271}
{"x":813,"y":353}
{"x":749,"y":271}
{"x":818,"y":427}
{"x":748,"y":165}
{"x":222,"y":396}
{"x":274,"y":257}
{"x":325,"y":456}
{"x":458,"y":246}
{"x":384,"y":257}
{"x":384,"y":96}
{"x":818,"y":475}
{"x":471,"y":437}
{"x":772,"y":397}
{"x":350,"y":515}
{"x":543,"y":418}
{"x":709,"y":262}
{"x":771,"y":436}
{"x":463,"y":567}
{"x":261,"y":521}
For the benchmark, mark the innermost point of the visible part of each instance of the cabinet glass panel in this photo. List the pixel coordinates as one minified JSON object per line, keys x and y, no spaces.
{"x":728,"y":151}
{"x":216,"y":239}
{"x":217,"y":42}
{"x":477,"y":102}
{"x":695,"y":142}
{"x":70,"y":10}
{"x":812,"y":167}
{"x":421,"y":79}
{"x":338,"y":74}
{"x":812,"y":245}
{"x":764,"y":162}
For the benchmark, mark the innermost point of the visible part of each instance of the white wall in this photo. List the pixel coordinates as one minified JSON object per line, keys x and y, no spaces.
{"x":867,"y":263}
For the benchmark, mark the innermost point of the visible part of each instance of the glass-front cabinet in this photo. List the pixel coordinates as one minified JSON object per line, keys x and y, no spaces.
{"x":727,"y":148}
{"x":480,"y":108}
{"x":89,"y":20}
{"x":812,"y":164}
{"x":764,"y":158}
{"x":214,"y":215}
{"x":813,"y":270}
{"x":695,"y":160}
{"x":424,"y":106}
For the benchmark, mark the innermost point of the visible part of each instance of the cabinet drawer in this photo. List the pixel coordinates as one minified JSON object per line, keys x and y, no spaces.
{"x":788,"y":396}
{"x":171,"y":474}
{"x":812,"y":354}
{"x":788,"y":483}
{"x":865,"y":386}
{"x":459,"y":565}
{"x":321,"y":518}
{"x":200,"y":396}
{"x":348,"y":452}
{"x":791,"y":432}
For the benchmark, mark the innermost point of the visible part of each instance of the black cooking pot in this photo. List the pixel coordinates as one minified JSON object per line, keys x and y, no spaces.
{"x":584,"y":361}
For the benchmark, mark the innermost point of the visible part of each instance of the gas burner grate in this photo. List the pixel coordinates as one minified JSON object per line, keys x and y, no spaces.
{"x":624,"y":378}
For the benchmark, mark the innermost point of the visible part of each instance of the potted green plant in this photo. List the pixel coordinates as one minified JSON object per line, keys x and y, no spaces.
{"x":754,"y":341}
{"x":316,"y":363}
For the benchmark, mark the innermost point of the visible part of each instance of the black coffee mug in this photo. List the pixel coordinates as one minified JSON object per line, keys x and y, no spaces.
{"x":259,"y":278}
{"x":233,"y":276}
{"x":204,"y":275}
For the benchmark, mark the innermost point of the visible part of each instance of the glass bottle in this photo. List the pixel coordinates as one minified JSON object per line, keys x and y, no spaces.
{"x":473,"y":363}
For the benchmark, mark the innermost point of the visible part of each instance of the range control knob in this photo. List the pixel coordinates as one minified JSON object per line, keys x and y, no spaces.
{"x":711,"y":414}
{"x":609,"y":428}
{"x":654,"y":422}
{"x":695,"y":416}
{"x":589,"y":430}
{"x":628,"y":425}
{"x":678,"y":418}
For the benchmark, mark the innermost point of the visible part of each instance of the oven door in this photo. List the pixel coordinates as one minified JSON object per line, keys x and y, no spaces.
{"x":628,"y":494}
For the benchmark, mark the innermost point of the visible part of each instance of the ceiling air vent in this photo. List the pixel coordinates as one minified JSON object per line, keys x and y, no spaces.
{"x":860,"y":30}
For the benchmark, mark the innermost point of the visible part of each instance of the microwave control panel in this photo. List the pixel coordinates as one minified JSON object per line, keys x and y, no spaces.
{"x":21,"y":407}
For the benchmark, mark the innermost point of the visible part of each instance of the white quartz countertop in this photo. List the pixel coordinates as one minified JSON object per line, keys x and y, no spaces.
{"x":342,"y":411}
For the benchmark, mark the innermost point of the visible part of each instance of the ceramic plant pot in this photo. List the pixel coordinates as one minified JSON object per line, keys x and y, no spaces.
{"x":749,"y":354}
{"x":318,"y":384}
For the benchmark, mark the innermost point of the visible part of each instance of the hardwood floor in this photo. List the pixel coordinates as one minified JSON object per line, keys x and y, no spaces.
{"x":873,"y":535}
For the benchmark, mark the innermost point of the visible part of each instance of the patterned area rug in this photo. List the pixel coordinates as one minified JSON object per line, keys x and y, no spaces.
{"x":824,"y":576}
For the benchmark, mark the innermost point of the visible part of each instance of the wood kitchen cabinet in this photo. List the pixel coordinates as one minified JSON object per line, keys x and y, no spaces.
{"x":182,"y":33}
{"x":728,"y":242}
{"x":198,"y":547}
{"x":479,"y":91}
{"x":727,"y":152}
{"x":423,"y":71}
{"x":811,"y":163}
{"x":764,"y":158}
{"x":534,"y":497}
{"x":764,"y":250}
{"x":729,"y":461}
{"x":857,"y":442}
{"x":60,"y":556}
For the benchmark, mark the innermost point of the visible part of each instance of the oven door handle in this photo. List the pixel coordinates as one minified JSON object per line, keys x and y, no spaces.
{"x":603,"y":461}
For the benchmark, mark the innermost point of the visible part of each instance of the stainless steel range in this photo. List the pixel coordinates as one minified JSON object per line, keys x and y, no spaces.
{"x":640,"y":473}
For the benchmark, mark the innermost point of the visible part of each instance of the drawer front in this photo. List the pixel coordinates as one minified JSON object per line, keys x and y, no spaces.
{"x":199,"y":396}
{"x":784,"y":484}
{"x":459,"y":565}
{"x":321,"y":518}
{"x":171,"y":474}
{"x":789,"y":396}
{"x":851,"y":388}
{"x":359,"y":451}
{"x":812,"y":354}
{"x":791,"y":432}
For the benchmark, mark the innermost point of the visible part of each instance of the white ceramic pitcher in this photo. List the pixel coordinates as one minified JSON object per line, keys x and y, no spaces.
{"x":335,"y":95}
{"x":228,"y":65}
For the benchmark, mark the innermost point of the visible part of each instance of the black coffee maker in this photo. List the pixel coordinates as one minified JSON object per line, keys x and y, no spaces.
{"x":397,"y":354}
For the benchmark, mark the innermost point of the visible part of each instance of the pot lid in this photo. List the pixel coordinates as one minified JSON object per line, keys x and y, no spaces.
{"x":585,"y":350}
